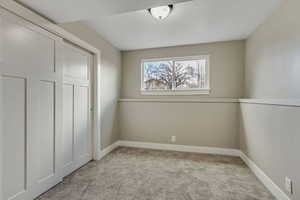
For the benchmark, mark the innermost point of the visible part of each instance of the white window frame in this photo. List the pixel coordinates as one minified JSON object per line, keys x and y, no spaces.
{"x":177,"y":92}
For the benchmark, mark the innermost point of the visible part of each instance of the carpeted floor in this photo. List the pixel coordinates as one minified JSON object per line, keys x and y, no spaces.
{"x":139,"y":174}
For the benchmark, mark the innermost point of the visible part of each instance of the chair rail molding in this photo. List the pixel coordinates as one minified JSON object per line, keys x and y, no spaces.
{"x":202,"y":100}
{"x":276,"y":102}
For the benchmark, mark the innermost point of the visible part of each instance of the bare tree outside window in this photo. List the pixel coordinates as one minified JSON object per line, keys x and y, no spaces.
{"x":171,"y":75}
{"x":158,"y":75}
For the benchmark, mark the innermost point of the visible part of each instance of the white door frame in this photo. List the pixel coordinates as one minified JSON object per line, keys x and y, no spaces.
{"x":38,"y":20}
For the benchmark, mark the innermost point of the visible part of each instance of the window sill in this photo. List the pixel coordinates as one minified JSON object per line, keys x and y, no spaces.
{"x":177,"y":92}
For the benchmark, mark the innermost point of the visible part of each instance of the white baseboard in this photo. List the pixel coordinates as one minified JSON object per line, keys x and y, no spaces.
{"x":260,"y":174}
{"x":107,"y":150}
{"x":181,"y":148}
{"x":272,"y":187}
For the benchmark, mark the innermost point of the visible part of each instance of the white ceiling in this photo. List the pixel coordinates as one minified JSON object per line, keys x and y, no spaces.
{"x":127,"y":24}
{"x":62,"y":11}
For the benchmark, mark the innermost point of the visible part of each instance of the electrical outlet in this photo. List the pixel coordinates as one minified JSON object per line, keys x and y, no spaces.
{"x":288,"y":185}
{"x":173,"y":139}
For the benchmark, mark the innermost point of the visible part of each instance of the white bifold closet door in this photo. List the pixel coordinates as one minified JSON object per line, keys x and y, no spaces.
{"x":77,"y":134}
{"x":32,"y":108}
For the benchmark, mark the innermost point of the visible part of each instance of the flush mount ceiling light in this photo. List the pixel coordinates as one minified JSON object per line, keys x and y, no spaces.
{"x":161,"y":12}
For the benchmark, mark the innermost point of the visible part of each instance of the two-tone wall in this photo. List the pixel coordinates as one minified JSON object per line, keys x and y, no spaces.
{"x":270,"y":134}
{"x":200,"y":120}
{"x":264,"y":125}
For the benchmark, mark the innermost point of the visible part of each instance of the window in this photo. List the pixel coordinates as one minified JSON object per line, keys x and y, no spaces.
{"x":176,"y":76}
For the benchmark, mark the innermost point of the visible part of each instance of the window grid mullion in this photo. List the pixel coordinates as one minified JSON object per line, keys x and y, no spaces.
{"x":173,"y":76}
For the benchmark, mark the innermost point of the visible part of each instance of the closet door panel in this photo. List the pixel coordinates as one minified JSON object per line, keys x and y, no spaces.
{"x":68,"y":129}
{"x":26,"y":51}
{"x":15,"y":137}
{"x":77,"y":132}
{"x":76,"y":64}
{"x":82,"y":129}
{"x":32,"y":99}
{"x":47,"y":130}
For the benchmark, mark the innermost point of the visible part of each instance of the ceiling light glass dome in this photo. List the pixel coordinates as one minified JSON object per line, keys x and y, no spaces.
{"x":161,"y":12}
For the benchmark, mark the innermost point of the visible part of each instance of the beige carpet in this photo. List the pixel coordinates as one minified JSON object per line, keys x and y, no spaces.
{"x":139,"y":174}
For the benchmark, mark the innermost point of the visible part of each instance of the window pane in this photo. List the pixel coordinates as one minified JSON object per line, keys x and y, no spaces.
{"x":190,"y":74}
{"x":158,"y":75}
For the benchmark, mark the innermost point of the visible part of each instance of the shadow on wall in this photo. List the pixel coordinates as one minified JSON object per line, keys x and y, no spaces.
{"x":109,"y":123}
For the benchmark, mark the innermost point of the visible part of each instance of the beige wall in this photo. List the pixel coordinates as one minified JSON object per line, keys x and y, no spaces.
{"x":110,"y":80}
{"x":226,"y":67}
{"x":198,"y":124}
{"x":270,"y":137}
{"x":272,"y":55}
{"x":270,"y":134}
